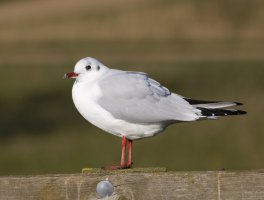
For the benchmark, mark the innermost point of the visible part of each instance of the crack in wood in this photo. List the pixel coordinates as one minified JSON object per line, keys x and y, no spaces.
{"x":219,"y":185}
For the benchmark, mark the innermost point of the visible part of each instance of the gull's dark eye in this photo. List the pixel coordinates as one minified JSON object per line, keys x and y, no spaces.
{"x":88,"y":67}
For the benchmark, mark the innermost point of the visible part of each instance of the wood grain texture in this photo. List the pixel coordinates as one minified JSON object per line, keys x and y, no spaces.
{"x":215,"y":185}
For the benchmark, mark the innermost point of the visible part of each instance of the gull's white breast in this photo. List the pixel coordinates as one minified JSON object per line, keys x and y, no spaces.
{"x":85,"y":98}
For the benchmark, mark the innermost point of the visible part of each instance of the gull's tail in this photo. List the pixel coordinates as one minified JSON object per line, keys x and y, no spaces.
{"x":214,"y":109}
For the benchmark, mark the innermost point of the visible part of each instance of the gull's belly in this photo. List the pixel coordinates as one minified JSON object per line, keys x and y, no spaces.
{"x":85,"y":102}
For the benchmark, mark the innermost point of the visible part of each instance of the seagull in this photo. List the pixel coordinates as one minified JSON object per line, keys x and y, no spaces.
{"x":132,"y":105}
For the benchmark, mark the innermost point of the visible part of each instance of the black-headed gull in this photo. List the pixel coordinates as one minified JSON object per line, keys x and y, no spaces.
{"x":132,"y":105}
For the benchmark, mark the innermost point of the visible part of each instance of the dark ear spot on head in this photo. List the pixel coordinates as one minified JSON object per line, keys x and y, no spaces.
{"x":98,"y":67}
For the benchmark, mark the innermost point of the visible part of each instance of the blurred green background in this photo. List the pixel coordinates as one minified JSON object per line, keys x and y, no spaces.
{"x":205,"y":49}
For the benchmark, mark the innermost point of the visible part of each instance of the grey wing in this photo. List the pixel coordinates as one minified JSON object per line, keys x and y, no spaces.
{"x":136,"y":98}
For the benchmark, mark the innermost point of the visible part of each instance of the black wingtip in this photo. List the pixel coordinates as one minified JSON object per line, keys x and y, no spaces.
{"x":238,"y":104}
{"x":220,"y":112}
{"x":241,"y":112}
{"x":195,"y":101}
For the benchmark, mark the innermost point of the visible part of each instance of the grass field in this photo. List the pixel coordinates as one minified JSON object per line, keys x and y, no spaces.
{"x":209,"y":50}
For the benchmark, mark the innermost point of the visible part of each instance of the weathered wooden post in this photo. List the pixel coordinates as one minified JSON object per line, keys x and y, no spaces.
{"x":137,"y":184}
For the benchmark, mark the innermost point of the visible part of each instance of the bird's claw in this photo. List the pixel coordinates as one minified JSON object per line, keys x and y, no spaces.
{"x":117,"y":167}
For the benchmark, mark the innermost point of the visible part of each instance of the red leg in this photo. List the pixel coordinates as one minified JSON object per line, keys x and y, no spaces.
{"x":123,"y":156}
{"x":129,"y":164}
{"x":123,"y":164}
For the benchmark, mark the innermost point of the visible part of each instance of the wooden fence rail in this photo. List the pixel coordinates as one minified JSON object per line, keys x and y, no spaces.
{"x":218,"y":185}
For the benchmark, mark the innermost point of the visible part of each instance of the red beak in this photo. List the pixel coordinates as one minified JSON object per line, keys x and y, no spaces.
{"x":71,"y":75}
